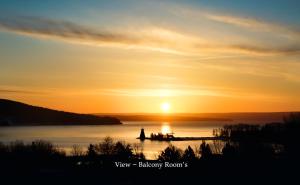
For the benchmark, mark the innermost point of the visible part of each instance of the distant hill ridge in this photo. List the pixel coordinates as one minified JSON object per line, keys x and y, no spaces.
{"x":13,"y":113}
{"x":203,"y":118}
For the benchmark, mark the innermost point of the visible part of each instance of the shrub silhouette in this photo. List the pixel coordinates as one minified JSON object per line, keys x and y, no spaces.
{"x":262,"y":141}
{"x":17,"y":147}
{"x":123,"y":151}
{"x":138,"y":151}
{"x":189,"y":154}
{"x":171,"y":153}
{"x":113,"y":150}
{"x":77,"y":151}
{"x":91,"y":152}
{"x":44,"y":148}
{"x":205,"y":150}
{"x":3,"y":148}
{"x":290,"y":136}
{"x":229,"y":151}
{"x":106,"y":147}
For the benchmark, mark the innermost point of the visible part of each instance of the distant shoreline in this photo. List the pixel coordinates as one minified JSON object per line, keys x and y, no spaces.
{"x":236,"y":117}
{"x":56,"y":124}
{"x":14,"y":113}
{"x":167,"y":118}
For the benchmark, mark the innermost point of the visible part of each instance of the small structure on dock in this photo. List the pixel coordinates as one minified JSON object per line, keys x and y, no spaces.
{"x":142,"y":135}
{"x":161,"y":136}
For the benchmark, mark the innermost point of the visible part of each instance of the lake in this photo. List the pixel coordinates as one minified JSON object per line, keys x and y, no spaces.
{"x":66,"y":136}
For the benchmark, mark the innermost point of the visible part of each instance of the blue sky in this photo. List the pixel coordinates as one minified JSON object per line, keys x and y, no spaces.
{"x":277,"y":10}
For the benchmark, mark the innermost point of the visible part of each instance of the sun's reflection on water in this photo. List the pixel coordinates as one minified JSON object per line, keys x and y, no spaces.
{"x":165,"y":128}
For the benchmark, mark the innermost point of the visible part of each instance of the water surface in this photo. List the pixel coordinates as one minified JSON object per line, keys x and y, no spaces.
{"x":66,"y":136}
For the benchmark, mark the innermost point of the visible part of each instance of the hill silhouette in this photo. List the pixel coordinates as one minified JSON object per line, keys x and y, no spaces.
{"x":14,"y":113}
{"x":218,"y":119}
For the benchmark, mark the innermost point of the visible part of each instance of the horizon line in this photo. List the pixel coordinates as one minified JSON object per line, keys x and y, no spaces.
{"x":158,"y":113}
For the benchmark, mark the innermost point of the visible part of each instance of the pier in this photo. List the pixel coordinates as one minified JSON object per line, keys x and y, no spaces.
{"x":171,"y":137}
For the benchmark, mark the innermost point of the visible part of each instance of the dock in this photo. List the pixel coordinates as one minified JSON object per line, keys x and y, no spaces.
{"x":170,"y":137}
{"x":183,"y":138}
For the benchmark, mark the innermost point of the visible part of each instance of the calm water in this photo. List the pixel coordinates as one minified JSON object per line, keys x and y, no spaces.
{"x":66,"y":136}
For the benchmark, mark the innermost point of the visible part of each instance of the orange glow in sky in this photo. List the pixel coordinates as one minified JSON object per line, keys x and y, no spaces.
{"x":175,"y":57}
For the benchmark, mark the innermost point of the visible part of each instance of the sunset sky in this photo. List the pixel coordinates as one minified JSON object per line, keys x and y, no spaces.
{"x":137,"y":55}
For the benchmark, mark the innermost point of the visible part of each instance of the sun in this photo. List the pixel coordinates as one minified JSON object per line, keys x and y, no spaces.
{"x":165,"y":107}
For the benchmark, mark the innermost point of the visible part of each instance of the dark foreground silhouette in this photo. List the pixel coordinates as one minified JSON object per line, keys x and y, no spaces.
{"x":251,"y":154}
